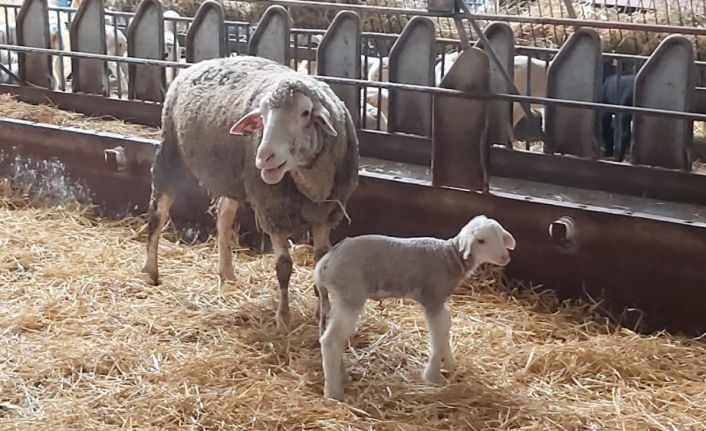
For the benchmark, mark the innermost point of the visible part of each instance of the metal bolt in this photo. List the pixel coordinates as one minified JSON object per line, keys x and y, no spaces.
{"x":116,"y":158}
{"x":562,"y":231}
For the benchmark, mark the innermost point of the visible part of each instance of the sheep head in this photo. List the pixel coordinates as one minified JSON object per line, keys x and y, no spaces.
{"x":484,"y":240}
{"x":291,"y":117}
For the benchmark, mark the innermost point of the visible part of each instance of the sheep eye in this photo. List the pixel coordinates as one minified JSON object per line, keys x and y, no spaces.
{"x":481,"y":241}
{"x":305,"y":114}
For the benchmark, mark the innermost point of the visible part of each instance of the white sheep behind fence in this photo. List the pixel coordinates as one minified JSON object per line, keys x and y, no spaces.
{"x":117,"y":46}
{"x":377,"y":267}
{"x":371,"y":118}
{"x":523,"y":66}
{"x":10,"y":61}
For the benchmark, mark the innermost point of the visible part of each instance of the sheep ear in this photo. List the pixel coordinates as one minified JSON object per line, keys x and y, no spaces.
{"x":509,"y":240}
{"x":248,"y":123}
{"x":323,"y":117}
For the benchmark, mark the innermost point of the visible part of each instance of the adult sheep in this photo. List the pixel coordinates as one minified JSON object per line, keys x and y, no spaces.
{"x":252,"y":130}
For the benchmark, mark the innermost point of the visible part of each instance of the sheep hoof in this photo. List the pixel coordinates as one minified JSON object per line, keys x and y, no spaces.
{"x":331,"y":394}
{"x":283,"y":319}
{"x":152,"y":276}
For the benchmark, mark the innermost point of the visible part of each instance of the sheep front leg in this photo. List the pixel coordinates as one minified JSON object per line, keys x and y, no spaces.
{"x":322,"y":244}
{"x":439,"y":324}
{"x":226,"y":212}
{"x":280,"y":244}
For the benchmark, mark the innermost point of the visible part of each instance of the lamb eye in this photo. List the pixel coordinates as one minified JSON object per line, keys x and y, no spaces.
{"x":305,"y":114}
{"x":481,"y":241}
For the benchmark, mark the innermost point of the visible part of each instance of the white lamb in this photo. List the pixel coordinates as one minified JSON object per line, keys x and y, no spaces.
{"x":377,"y":267}
{"x":445,"y":64}
{"x":378,"y":98}
{"x":374,"y":66}
{"x":172,"y":50}
{"x":371,"y":118}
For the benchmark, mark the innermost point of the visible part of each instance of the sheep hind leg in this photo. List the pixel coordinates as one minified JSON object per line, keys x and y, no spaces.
{"x":227,"y":210}
{"x":439,"y":324}
{"x":323,"y":309}
{"x":160,"y":204}
{"x":280,"y":244}
{"x":168,"y":172}
{"x":341,"y":326}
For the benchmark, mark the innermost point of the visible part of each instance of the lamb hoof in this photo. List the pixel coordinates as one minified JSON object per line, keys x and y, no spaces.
{"x":226,"y":275}
{"x":331,"y":394}
{"x":283,"y":319}
{"x":449,"y":364}
{"x":433,"y":377}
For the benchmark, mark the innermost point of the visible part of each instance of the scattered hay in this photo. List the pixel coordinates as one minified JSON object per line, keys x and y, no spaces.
{"x":667,"y":12}
{"x":88,"y":345}
{"x":12,"y":108}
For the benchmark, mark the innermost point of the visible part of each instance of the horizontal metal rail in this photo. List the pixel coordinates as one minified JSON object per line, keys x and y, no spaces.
{"x":106,"y":57}
{"x":392,"y":85}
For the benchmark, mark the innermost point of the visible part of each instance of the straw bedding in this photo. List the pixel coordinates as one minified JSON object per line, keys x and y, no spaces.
{"x":88,"y":345}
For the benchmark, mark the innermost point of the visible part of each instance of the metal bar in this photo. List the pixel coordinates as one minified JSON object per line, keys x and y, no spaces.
{"x":388,"y":85}
{"x":494,"y":58}
{"x":601,"y":175}
{"x":514,"y":98}
{"x":75,"y":54}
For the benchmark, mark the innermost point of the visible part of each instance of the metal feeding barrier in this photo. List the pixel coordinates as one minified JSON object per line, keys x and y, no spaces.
{"x":630,"y":233}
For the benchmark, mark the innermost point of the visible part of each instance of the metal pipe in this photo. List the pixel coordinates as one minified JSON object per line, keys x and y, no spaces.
{"x":516,"y":98}
{"x":388,"y":85}
{"x":75,"y":54}
{"x":494,"y":58}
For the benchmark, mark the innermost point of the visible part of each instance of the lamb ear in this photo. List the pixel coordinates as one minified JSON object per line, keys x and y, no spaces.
{"x":323,"y":117}
{"x":248,"y":123}
{"x":465,"y":244}
{"x":508,"y":240}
